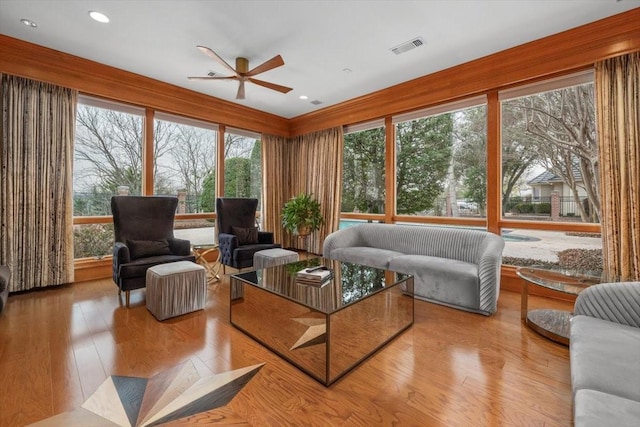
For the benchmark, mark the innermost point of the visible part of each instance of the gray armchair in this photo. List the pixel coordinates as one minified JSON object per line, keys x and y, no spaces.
{"x":238,"y":236}
{"x":5,"y":275}
{"x":143,"y":228}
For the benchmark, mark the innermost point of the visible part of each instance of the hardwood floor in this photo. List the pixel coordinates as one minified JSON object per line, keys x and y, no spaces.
{"x":451,"y":368}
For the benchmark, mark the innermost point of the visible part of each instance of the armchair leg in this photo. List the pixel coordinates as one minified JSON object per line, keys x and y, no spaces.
{"x":224,"y":269}
{"x":127,"y":298}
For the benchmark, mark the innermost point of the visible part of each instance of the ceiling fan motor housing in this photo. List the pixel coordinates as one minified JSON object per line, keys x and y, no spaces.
{"x":242,"y":65}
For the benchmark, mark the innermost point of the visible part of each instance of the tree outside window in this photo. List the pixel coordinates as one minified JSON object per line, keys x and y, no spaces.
{"x":107,"y":157}
{"x":187,"y":159}
{"x":441,"y":164}
{"x":549,"y":149}
{"x":363,"y":174}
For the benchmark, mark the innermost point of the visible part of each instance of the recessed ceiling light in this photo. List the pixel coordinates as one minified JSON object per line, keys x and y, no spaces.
{"x":29,"y":23}
{"x":98,"y":16}
{"x":304,"y":97}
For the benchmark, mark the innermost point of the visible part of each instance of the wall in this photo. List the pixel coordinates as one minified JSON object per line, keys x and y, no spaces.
{"x":38,"y":63}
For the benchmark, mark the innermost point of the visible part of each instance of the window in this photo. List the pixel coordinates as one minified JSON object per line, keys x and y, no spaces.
{"x":571,"y":250}
{"x":107,"y":155}
{"x":243,"y":165}
{"x":550,"y":151}
{"x":363,"y":173}
{"x":185,"y":162}
{"x":441,"y":160}
{"x":92,"y":240}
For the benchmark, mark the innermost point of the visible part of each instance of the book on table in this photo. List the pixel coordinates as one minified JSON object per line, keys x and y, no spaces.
{"x":314,"y":276}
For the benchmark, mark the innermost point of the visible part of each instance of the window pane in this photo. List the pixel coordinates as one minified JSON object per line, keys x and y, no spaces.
{"x":107,"y":158}
{"x":573,"y":250}
{"x":92,"y":240}
{"x":363,"y":174}
{"x":549,"y":156}
{"x":197,"y":231}
{"x":185,"y":165}
{"x":346,"y":223}
{"x":441,"y":164}
{"x":243,"y":167}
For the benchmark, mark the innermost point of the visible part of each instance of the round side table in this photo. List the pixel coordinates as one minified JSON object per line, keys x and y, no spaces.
{"x":212,"y":268}
{"x":553,"y":324}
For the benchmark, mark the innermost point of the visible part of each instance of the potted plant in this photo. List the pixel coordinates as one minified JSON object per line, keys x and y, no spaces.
{"x":301,"y":215}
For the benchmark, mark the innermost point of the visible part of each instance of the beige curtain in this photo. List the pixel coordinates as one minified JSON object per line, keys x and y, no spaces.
{"x":618,"y":107}
{"x":311,"y":163}
{"x":274,"y":192}
{"x":36,"y":158}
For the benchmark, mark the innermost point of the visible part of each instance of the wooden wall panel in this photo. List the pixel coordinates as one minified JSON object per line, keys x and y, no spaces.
{"x":562,"y":52}
{"x":28,"y":60}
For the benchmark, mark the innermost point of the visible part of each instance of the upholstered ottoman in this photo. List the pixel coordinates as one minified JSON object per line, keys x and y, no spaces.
{"x":271,"y":257}
{"x":175,"y":288}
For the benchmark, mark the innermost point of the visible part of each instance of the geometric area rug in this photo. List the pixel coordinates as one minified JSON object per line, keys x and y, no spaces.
{"x":167,"y":396}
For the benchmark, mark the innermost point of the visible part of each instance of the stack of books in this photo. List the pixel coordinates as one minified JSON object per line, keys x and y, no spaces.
{"x":315,"y":276}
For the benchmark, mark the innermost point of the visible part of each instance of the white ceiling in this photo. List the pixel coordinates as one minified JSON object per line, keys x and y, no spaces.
{"x":317,"y":39}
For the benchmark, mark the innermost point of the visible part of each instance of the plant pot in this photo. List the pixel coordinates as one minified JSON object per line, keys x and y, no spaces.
{"x":304,"y":231}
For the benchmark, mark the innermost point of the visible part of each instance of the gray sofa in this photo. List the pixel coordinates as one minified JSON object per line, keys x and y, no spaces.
{"x":605,"y":355}
{"x":5,"y":274}
{"x":459,"y":268}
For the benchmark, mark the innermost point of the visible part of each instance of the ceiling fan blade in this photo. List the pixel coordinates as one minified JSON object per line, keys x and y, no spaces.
{"x":240,"y":94}
{"x":274,"y":62}
{"x":212,"y":78}
{"x":273,"y":86}
{"x":215,"y":56}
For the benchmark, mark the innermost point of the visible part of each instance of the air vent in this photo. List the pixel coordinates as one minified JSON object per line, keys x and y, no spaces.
{"x":406,"y":46}
{"x":316,"y":102}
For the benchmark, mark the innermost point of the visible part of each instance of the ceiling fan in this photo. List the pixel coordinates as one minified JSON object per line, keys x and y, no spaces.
{"x":242,"y":72}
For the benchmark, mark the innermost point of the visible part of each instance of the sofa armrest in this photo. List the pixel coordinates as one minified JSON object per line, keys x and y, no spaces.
{"x":5,"y":275}
{"x":227,"y":244}
{"x":616,"y":302}
{"x":121,"y":255}
{"x":345,"y":238}
{"x":180,"y":246}
{"x":489,"y":266}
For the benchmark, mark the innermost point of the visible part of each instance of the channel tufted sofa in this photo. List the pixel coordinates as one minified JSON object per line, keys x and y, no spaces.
{"x":605,"y":355}
{"x":459,"y":268}
{"x":5,"y":275}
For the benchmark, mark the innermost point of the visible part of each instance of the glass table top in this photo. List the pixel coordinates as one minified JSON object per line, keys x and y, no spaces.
{"x":562,"y":279}
{"x":350,"y":283}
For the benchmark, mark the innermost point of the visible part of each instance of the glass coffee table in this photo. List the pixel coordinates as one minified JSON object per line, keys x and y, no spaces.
{"x":553,"y":324}
{"x":324,"y":330}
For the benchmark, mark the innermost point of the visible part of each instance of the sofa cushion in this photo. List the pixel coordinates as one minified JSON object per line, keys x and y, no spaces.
{"x":139,"y":267}
{"x":441,"y":279}
{"x":364,"y":255}
{"x":596,"y":409}
{"x":605,"y":356}
{"x":148,"y":248}
{"x":246,"y":235}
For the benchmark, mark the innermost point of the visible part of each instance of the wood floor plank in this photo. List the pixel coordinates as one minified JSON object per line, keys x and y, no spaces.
{"x":451,"y":368}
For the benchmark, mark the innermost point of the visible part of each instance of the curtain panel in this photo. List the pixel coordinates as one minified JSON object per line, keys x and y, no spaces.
{"x":617,"y":83}
{"x":310,"y":163}
{"x":36,"y":161}
{"x":275,"y":186}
